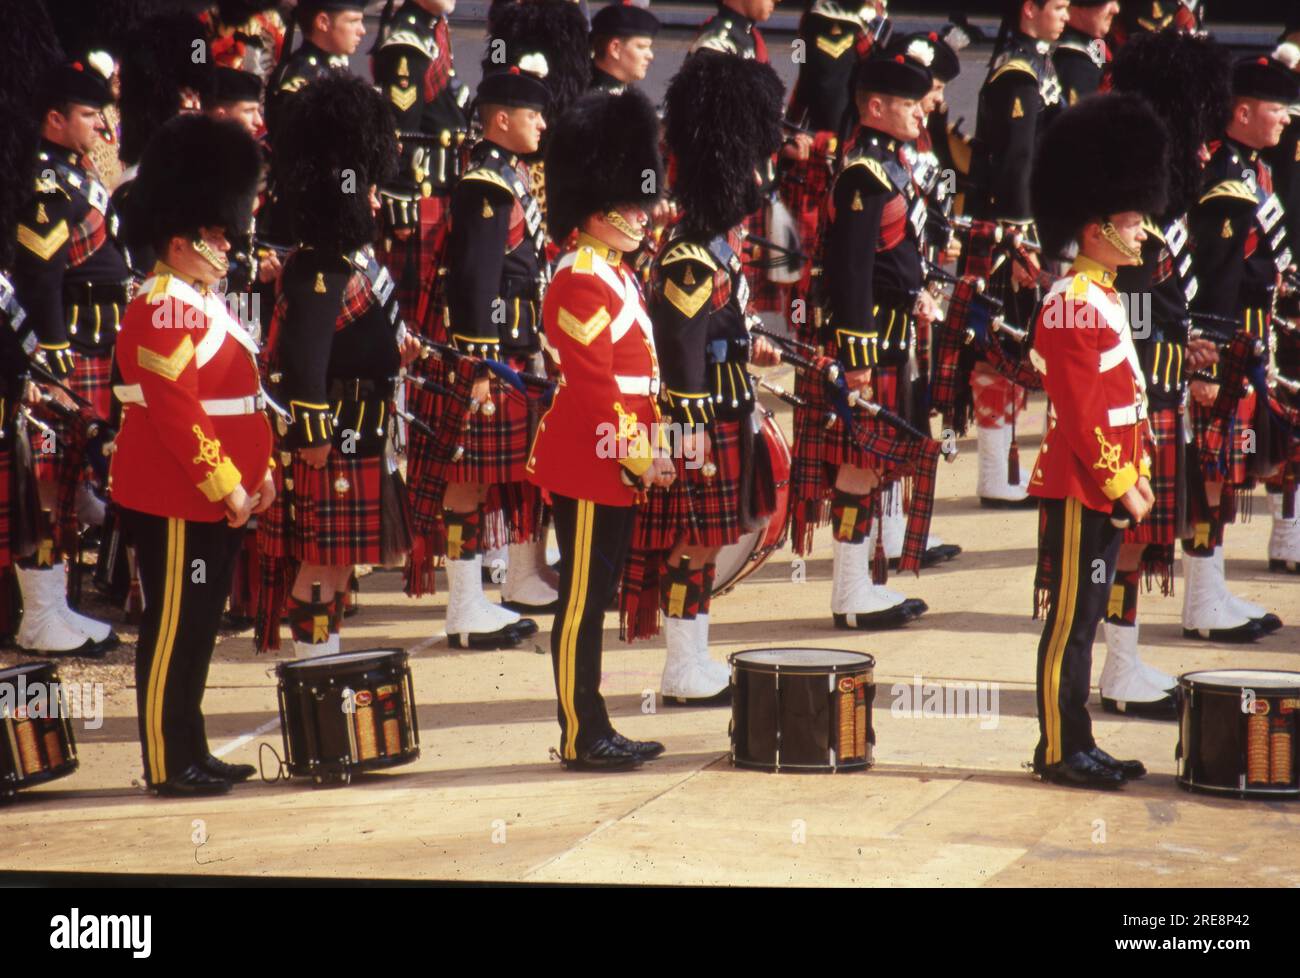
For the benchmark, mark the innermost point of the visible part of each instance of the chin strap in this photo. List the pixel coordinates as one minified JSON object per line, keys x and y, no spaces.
{"x":620,"y":223}
{"x":211,"y":255}
{"x":1112,"y":238}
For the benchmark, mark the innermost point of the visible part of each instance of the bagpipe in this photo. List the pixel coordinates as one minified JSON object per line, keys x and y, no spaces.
{"x":90,"y":437}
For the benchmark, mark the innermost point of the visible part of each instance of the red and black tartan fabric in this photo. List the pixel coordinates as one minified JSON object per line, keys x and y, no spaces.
{"x":706,"y":514}
{"x":86,"y":238}
{"x":414,"y":263}
{"x":326,"y":526}
{"x":1221,"y":430}
{"x":91,"y":378}
{"x":1163,"y":526}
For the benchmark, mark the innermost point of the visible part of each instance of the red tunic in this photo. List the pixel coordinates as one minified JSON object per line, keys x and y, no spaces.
{"x":1097,"y":437}
{"x":604,"y":414}
{"x":192,"y":423}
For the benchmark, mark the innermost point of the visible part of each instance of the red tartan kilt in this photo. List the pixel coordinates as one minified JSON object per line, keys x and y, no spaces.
{"x":92,"y":378}
{"x":1161,"y":524}
{"x":328,"y":527}
{"x":715,"y":502}
{"x":1237,"y":472}
{"x":423,"y":490}
{"x":815,"y":444}
{"x":413,"y":263}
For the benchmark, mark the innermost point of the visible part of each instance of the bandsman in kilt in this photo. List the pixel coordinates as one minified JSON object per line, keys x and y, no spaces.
{"x":495,"y":277}
{"x":722,"y":127}
{"x":939,"y":244}
{"x":622,"y":45}
{"x":413,"y":69}
{"x":1099,"y":170}
{"x":733,"y":29}
{"x":332,"y":31}
{"x":1020,"y":91}
{"x":1284,"y":541}
{"x":1185,"y":79}
{"x":193,"y":456}
{"x":1081,"y":53}
{"x":332,"y":354}
{"x":1239,"y":249}
{"x":247,"y":35}
{"x":28,"y":48}
{"x":71,"y":275}
{"x":596,"y":448}
{"x":867,"y":314}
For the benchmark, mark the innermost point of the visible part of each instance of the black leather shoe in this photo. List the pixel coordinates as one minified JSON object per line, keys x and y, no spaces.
{"x":1240,"y":635}
{"x":647,"y":750}
{"x":909,"y":609}
{"x":533,"y":609}
{"x":1268,"y":622}
{"x":1081,"y":771}
{"x":721,"y":698}
{"x":194,"y":780}
{"x":1029,"y":502}
{"x":234,"y":773}
{"x":88,"y":649}
{"x":933,"y":555}
{"x":524,"y":627}
{"x":1278,"y":566}
{"x":1132,"y":770}
{"x":603,"y":755}
{"x":1162,"y":709}
{"x":502,"y":638}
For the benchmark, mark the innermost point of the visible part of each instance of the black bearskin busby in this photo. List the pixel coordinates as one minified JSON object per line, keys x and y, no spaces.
{"x":197,"y":172}
{"x":723,"y":120}
{"x":28,"y":51}
{"x":83,"y":26}
{"x":520,"y":30}
{"x":1186,"y":80}
{"x":603,"y":153}
{"x":335,"y":141}
{"x":1104,"y":155}
{"x":159,"y":63}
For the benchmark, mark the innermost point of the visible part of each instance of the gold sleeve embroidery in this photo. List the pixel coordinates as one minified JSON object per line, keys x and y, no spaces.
{"x":43,"y":246}
{"x":219,"y":482}
{"x":170,"y":367}
{"x":584,"y":331}
{"x":688,"y":303}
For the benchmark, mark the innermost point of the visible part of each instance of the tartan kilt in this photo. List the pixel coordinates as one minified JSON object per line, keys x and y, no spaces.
{"x":328,"y":527}
{"x":92,"y":378}
{"x":414,"y":263}
{"x":714,"y":503}
{"x":1162,"y":524}
{"x":1234,"y":470}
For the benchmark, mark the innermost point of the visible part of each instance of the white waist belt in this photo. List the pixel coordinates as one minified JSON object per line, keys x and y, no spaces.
{"x":216,"y":407}
{"x":645,"y":386}
{"x":1118,"y":417}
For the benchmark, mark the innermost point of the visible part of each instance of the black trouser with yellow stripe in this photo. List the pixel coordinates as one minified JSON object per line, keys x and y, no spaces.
{"x":1083,"y":545}
{"x":593,"y":543}
{"x":185,"y":570}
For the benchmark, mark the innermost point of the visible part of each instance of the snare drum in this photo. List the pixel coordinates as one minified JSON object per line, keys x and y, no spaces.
{"x":350,"y":712}
{"x":802,"y":709}
{"x":1237,"y":732}
{"x":36,"y":742}
{"x":737,"y":561}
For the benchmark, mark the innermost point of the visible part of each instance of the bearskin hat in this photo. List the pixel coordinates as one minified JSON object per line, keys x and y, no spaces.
{"x":554,"y":29}
{"x":335,"y":140}
{"x":1106,"y":154}
{"x":723,"y":120}
{"x":600,"y":155}
{"x":28,"y":51}
{"x":159,"y":62}
{"x":1186,"y":80}
{"x":197,"y":172}
{"x":83,"y":26}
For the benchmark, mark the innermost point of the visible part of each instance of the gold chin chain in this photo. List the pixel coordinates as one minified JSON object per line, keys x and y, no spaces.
{"x":1119,"y":244}
{"x":211,"y":255}
{"x":620,"y":223}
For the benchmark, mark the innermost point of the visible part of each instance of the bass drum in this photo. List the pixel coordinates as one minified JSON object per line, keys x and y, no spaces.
{"x":746,"y":555}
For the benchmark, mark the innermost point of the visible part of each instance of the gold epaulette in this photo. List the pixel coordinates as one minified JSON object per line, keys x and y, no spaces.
{"x":484,"y":175}
{"x":1233,"y":189}
{"x":873,"y":167}
{"x":684,"y":251}
{"x":584,"y":261}
{"x":1078,"y":287}
{"x":1015,"y":64}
